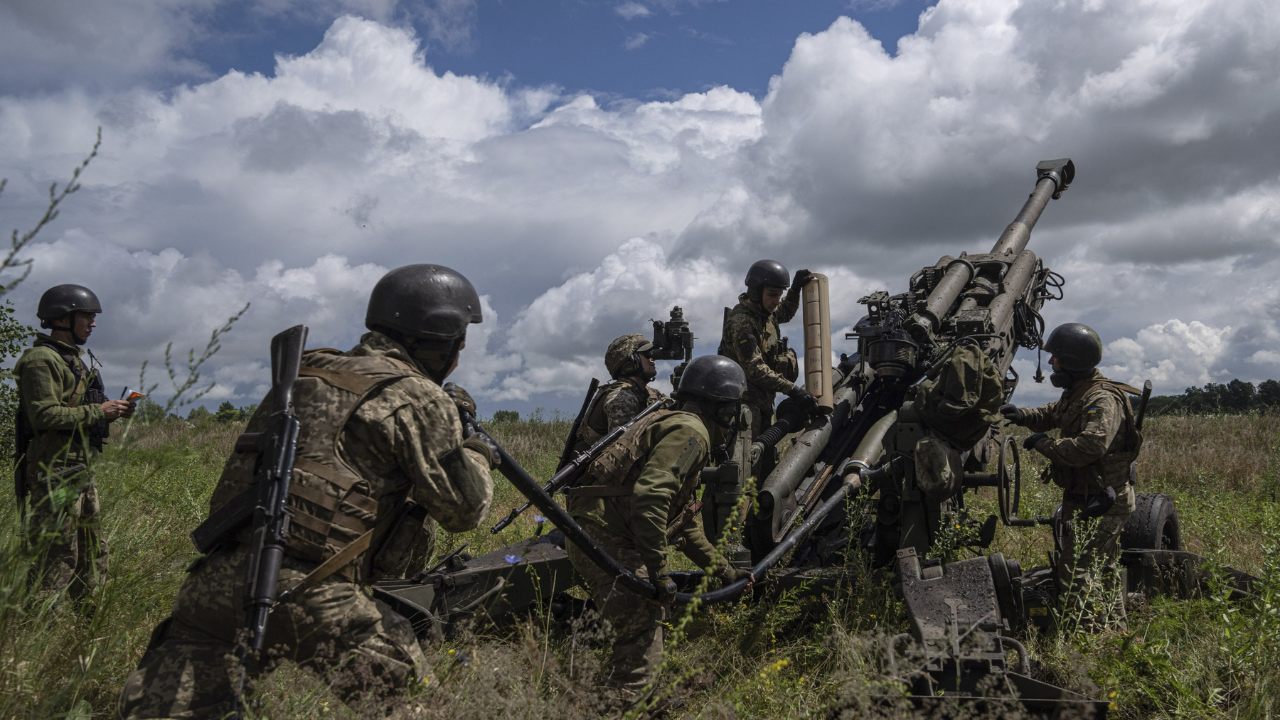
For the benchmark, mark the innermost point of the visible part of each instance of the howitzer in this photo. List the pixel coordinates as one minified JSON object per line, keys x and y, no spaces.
{"x":572,"y":470}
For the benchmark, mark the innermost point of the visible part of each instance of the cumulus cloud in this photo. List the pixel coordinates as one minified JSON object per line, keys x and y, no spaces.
{"x":582,"y":218}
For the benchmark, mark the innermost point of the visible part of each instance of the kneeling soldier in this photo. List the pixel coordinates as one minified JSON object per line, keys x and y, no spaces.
{"x":380,"y":449}
{"x":637,"y":497}
{"x":1091,"y":460}
{"x":631,"y":367}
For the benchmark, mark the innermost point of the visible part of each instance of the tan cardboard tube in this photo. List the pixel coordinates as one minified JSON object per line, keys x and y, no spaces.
{"x":817,"y":340}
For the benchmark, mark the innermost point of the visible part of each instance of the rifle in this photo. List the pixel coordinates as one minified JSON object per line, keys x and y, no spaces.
{"x":571,"y":471}
{"x":269,"y":496}
{"x":572,"y":440}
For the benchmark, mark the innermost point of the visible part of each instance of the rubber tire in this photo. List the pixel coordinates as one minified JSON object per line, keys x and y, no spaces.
{"x":1154,"y":524}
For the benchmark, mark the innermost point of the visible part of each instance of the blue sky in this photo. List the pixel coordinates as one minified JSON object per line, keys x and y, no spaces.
{"x":622,"y":49}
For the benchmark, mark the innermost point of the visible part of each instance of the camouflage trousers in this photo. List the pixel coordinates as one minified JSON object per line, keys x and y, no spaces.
{"x":361,"y":647}
{"x":1100,"y":548}
{"x":64,"y":518}
{"x":634,"y":622}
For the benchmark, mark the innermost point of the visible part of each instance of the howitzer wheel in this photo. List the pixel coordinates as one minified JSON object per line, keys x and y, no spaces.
{"x":1009,"y":480}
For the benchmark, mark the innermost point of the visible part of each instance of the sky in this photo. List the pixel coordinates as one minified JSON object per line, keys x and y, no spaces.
{"x":588,"y":165}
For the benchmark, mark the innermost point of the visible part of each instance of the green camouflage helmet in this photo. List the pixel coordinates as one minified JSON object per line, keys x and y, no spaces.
{"x":620,"y":358}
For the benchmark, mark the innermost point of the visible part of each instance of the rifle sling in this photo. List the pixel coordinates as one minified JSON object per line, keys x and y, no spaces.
{"x":340,"y":559}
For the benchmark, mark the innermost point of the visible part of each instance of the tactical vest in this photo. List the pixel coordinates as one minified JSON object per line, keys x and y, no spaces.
{"x":31,"y":445}
{"x":618,"y":468}
{"x":777,"y":356}
{"x":1113,"y":469}
{"x":595,"y":423}
{"x":332,"y":506}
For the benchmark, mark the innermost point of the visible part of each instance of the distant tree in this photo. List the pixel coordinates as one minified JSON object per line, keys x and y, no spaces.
{"x":198,"y":414}
{"x":148,"y":411}
{"x":227,"y":413}
{"x":1269,"y":394}
{"x":1238,"y":396}
{"x":13,"y":339}
{"x":506,"y":416}
{"x":247,"y":411}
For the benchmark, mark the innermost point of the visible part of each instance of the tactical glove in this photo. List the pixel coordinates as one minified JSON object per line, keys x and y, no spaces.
{"x":801,"y":279}
{"x":803,"y":399}
{"x":666,"y":589}
{"x":730,"y":574}
{"x":485,"y":445}
{"x":1012,"y":413}
{"x":1030,"y":442}
{"x":461,"y":398}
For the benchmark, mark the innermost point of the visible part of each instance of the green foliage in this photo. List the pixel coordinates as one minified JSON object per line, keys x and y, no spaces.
{"x":198,"y":414}
{"x":1235,"y":397}
{"x":506,"y":416}
{"x":13,"y":338}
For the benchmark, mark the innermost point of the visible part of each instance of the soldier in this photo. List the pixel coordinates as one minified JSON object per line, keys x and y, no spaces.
{"x":631,"y":367}
{"x":62,"y":421}
{"x":381,"y":448}
{"x":752,"y":337}
{"x":642,"y":498}
{"x":1092,"y":459}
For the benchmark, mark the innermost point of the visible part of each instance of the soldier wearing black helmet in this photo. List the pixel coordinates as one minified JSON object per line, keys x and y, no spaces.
{"x":752,"y":337}
{"x":62,"y":420}
{"x":638,"y":497}
{"x":384,"y":454}
{"x":631,"y":366}
{"x":1092,"y":458}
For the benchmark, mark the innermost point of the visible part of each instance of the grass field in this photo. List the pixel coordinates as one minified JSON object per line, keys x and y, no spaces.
{"x":793,"y":657}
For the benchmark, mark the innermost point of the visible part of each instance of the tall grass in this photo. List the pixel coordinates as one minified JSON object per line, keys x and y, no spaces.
{"x":796,"y":655}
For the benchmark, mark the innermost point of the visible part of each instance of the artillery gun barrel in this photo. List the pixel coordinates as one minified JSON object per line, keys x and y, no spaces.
{"x":1053,"y":177}
{"x":1015,"y":287}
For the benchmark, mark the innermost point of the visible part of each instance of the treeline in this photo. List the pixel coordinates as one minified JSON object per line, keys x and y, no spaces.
{"x":1233,"y":398}
{"x":149,"y":412}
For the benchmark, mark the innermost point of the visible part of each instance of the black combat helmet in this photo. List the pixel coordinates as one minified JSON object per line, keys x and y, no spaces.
{"x":714,"y":377}
{"x":1077,"y":347}
{"x":766,"y":273}
{"x":424,"y":302}
{"x":62,"y":300}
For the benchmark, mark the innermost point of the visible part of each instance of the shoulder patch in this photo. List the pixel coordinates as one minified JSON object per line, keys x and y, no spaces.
{"x":687,"y":458}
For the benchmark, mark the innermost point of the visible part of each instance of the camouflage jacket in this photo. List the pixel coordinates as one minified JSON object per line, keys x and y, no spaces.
{"x":403,"y":441}
{"x":53,"y":398}
{"x":641,"y":489}
{"x":1098,"y":438}
{"x":753,"y":339}
{"x":614,"y":405}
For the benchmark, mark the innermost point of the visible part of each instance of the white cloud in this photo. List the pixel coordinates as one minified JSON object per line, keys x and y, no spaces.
{"x":632,"y":10}
{"x":635,"y":42}
{"x":1265,"y":357}
{"x":862,"y":164}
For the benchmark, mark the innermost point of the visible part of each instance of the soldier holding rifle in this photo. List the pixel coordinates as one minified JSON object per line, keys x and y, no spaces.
{"x":381,"y":454}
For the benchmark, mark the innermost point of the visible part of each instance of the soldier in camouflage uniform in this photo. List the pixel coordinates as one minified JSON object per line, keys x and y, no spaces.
{"x":631,"y":367}
{"x":61,"y":424}
{"x":382,"y":453}
{"x":637,"y":498}
{"x":1093,"y":457}
{"x":752,"y":337}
